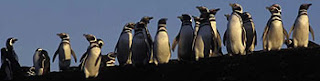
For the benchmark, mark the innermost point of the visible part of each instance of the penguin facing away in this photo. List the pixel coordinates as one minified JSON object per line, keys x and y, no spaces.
{"x":41,"y":62}
{"x":274,"y":34}
{"x":235,"y":36}
{"x":123,"y":46}
{"x":93,"y":59}
{"x":251,"y":34}
{"x":6,"y":65}
{"x":146,"y":19}
{"x":141,"y":45}
{"x":184,"y":39}
{"x":65,"y":51}
{"x":161,"y":49}
{"x":301,"y":28}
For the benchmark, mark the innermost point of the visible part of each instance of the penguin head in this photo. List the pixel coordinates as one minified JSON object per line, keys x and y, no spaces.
{"x":236,"y":7}
{"x":246,"y":15}
{"x":227,"y":16}
{"x":304,"y":6}
{"x":11,"y":41}
{"x":273,"y":9}
{"x":91,"y":38}
{"x":146,"y":19}
{"x":202,"y":9}
{"x":100,"y":42}
{"x":63,"y":36}
{"x":185,"y":17}
{"x":214,"y":11}
{"x":163,"y":21}
{"x":129,"y":26}
{"x":196,"y":19}
{"x":139,"y":26}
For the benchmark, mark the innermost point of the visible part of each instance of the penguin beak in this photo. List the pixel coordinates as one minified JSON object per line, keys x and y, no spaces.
{"x":309,"y":4}
{"x":180,"y":17}
{"x":268,"y":8}
{"x":198,"y":7}
{"x":14,"y":40}
{"x":217,"y":9}
{"x":230,"y":4}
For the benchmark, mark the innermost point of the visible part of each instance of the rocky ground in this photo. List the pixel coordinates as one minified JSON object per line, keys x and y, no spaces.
{"x":287,"y":64}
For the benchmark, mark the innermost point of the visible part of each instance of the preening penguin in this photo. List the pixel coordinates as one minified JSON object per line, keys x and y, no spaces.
{"x":235,"y":36}
{"x":141,"y":44}
{"x":65,"y":51}
{"x":123,"y":46}
{"x":251,"y":34}
{"x":161,"y":46}
{"x":41,"y":62}
{"x":93,"y":59}
{"x":301,"y":28}
{"x":274,"y":34}
{"x":184,"y":39}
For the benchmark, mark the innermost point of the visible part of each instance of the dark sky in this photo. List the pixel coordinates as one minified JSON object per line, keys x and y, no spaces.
{"x":36,"y":22}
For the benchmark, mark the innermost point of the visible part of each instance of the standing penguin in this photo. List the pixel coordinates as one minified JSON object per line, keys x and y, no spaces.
{"x":235,"y":36}
{"x":274,"y":34}
{"x":123,"y":45}
{"x":184,"y":39}
{"x":202,"y":44}
{"x":93,"y":58}
{"x":41,"y":62}
{"x":196,"y":25}
{"x":141,"y":43}
{"x":251,"y":34}
{"x":216,"y":45}
{"x":161,"y":49}
{"x":65,"y":51}
{"x":301,"y":28}
{"x":10,"y":61}
{"x":146,"y":19}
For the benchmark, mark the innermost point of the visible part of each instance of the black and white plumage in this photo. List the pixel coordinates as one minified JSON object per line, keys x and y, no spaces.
{"x":93,"y":58}
{"x":235,"y":36}
{"x":142,"y":43}
{"x":216,"y":40}
{"x":274,"y":34}
{"x":161,"y":46}
{"x":251,"y":34}
{"x":123,"y":46}
{"x":41,"y":62}
{"x":184,"y":39}
{"x":301,"y":28}
{"x":10,"y":62}
{"x":65,"y":51}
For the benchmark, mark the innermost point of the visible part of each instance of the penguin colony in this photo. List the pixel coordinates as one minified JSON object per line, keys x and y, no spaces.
{"x":194,"y":42}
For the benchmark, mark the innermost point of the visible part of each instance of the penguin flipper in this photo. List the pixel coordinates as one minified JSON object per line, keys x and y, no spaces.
{"x":264,"y":41}
{"x":84,"y":55}
{"x":98,"y":60}
{"x":244,"y":37}
{"x":218,"y":39}
{"x":311,"y":31}
{"x":255,"y":38}
{"x":74,"y":55}
{"x":55,"y":54}
{"x":291,"y":29}
{"x":175,"y":42}
{"x":225,"y":38}
{"x":285,"y":33}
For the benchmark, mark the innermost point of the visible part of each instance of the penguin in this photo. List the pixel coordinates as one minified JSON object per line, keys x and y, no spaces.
{"x":274,"y":34}
{"x":123,"y":45}
{"x":251,"y":34}
{"x":93,"y":58}
{"x":146,"y":19}
{"x":10,"y":61}
{"x":204,"y":39}
{"x":109,"y":59}
{"x":6,"y":65}
{"x":65,"y":51}
{"x":85,"y":55}
{"x":161,"y":49}
{"x":301,"y":28}
{"x":235,"y":36}
{"x":41,"y":62}
{"x":216,"y":45}
{"x":184,"y":39}
{"x":141,"y":43}
{"x":196,"y":25}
